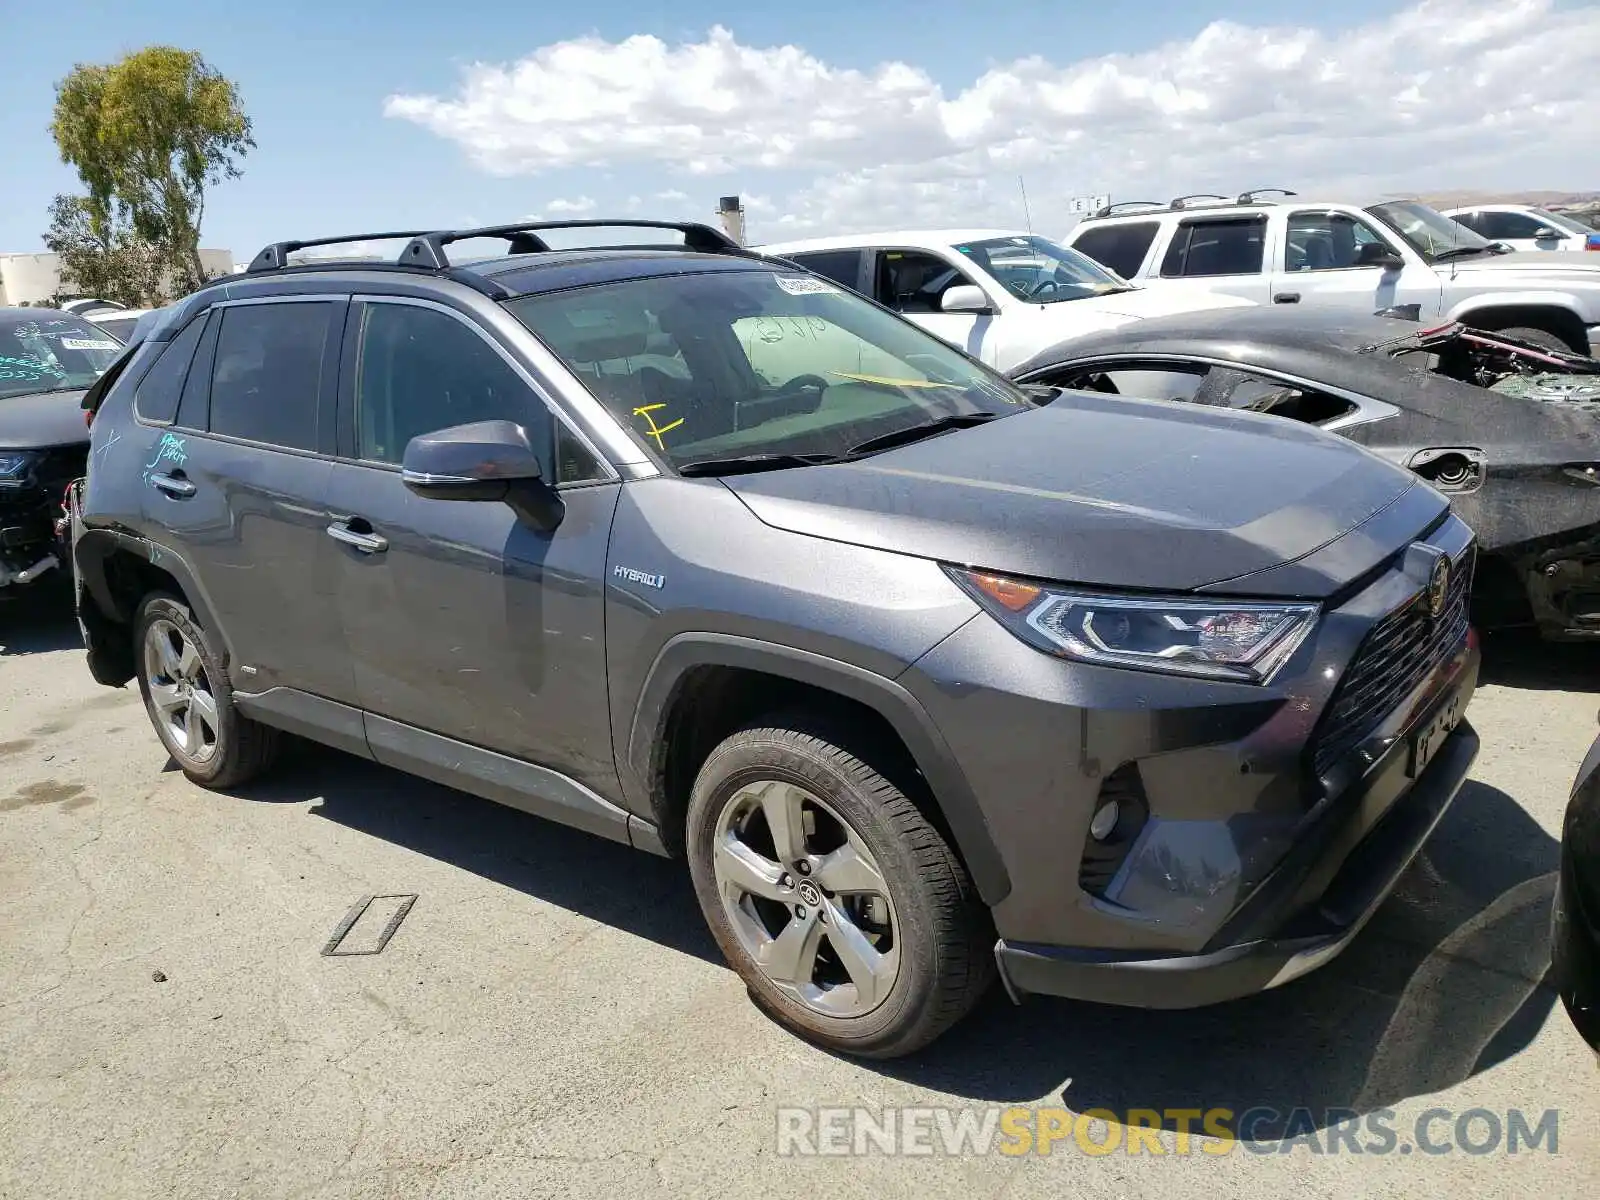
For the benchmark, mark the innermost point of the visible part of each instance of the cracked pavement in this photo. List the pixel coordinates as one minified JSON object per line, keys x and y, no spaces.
{"x":551,"y":1019}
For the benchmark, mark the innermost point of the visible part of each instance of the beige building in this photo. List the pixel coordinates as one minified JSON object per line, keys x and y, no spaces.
{"x":34,"y":278}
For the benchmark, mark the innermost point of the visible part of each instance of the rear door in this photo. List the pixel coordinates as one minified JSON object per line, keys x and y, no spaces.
{"x":236,"y":485}
{"x":1222,"y":254}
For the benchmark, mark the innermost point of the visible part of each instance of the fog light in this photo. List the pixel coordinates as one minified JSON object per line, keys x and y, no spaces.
{"x":1105,"y":821}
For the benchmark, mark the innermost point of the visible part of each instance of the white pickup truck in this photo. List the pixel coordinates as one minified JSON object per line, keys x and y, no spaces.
{"x":1394,"y":255}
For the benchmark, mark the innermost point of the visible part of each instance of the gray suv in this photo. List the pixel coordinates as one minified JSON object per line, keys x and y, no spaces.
{"x":928,"y":677}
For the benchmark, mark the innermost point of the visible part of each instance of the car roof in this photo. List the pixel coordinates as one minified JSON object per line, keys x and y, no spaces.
{"x":1230,"y":208}
{"x":942,"y":238}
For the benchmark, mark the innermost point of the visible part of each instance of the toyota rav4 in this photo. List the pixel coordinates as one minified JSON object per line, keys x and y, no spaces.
{"x":924,"y":674}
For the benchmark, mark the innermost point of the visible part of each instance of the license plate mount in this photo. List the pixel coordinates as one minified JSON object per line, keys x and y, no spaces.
{"x":1435,"y":731}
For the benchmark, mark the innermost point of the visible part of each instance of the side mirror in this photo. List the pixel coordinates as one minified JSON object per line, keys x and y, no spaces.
{"x":487,"y":460}
{"x":965,"y":298}
{"x":1375,"y":254}
{"x":1545,"y":234}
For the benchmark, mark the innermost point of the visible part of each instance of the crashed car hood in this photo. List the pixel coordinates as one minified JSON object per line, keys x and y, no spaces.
{"x":42,"y":419}
{"x":1096,"y":490}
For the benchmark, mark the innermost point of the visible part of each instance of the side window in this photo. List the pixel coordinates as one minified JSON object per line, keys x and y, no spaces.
{"x":421,"y":370}
{"x":1230,"y":246}
{"x":1326,"y":241}
{"x":1263,"y":394}
{"x":912,"y":281}
{"x":1506,"y":226}
{"x":267,"y":373}
{"x":1472,"y":220}
{"x":1137,"y":381}
{"x":156,"y":397}
{"x":841,"y":266}
{"x":1119,"y":245}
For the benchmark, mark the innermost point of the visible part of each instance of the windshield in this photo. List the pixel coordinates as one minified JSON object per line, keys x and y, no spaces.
{"x":1039,"y":271}
{"x":49,"y":351}
{"x":731,"y":364}
{"x":1560,"y":221}
{"x":1429,"y":233}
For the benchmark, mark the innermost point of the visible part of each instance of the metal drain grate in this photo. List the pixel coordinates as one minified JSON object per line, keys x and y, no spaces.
{"x":364,"y":917}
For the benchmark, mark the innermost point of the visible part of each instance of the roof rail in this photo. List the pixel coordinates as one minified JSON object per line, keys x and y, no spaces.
{"x":276,"y":256}
{"x":1110,"y":210}
{"x":1250,"y":196}
{"x":1182,"y":202}
{"x":426,"y":250}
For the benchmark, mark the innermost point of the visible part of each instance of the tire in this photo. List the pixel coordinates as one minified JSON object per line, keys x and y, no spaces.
{"x":172,"y":685}
{"x":1540,"y":337}
{"x":874,"y":863}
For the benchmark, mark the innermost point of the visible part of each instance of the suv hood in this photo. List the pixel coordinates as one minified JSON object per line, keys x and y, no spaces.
{"x":42,"y":419}
{"x":1573,"y":264}
{"x":1096,"y":490}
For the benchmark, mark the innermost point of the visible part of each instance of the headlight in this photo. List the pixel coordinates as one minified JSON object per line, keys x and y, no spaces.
{"x":1215,"y":639}
{"x":14,"y":465}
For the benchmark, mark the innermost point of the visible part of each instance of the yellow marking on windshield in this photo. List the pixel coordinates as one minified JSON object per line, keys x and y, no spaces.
{"x":656,"y":430}
{"x":886,"y":381}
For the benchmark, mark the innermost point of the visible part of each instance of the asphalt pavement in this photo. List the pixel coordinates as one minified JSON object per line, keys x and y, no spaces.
{"x":550,"y":1018}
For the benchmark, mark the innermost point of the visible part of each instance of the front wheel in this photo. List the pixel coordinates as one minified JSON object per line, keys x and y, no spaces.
{"x":1541,"y":337}
{"x":841,"y":907}
{"x":187,"y":696}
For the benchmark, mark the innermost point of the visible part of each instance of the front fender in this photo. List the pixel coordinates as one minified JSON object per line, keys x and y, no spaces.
{"x":927,"y":746}
{"x":1582,"y":309}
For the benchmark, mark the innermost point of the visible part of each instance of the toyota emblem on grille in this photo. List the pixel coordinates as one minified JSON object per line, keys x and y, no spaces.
{"x":1439,"y":586}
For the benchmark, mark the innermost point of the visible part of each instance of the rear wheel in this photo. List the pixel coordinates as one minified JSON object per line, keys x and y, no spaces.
{"x":841,"y":907}
{"x":190,"y":703}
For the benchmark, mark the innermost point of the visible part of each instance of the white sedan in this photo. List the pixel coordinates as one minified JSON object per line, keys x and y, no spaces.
{"x":1000,"y":295}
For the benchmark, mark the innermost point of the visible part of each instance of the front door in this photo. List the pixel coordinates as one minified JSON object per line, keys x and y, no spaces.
{"x":1319,"y":266}
{"x":913,"y":283}
{"x":462,"y":620}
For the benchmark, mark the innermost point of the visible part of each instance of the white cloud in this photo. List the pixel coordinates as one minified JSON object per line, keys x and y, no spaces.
{"x":570,"y":208}
{"x":1446,"y":93}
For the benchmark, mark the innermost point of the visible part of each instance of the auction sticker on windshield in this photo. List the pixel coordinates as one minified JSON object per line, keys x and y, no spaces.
{"x":804,"y":285}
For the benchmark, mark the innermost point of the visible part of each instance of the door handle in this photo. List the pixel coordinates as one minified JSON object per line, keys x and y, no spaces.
{"x":367,"y":543}
{"x":1286,"y":298}
{"x":174,"y":485}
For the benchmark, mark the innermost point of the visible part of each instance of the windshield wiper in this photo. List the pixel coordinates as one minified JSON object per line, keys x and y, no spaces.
{"x":1461,"y":252}
{"x":902,"y":437}
{"x":747,"y":463}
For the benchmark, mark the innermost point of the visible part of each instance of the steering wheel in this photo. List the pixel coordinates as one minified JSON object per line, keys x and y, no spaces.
{"x":1043,"y":287}
{"x":801,"y":382}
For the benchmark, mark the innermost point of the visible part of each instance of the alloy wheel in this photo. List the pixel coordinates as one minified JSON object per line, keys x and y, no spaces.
{"x":806,"y":899}
{"x":180,"y":691}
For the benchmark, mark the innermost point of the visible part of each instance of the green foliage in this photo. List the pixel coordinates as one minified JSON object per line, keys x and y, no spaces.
{"x":148,"y":135}
{"x":100,"y":255}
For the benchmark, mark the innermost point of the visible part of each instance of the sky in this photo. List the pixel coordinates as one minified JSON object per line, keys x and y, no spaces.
{"x":829,"y":116}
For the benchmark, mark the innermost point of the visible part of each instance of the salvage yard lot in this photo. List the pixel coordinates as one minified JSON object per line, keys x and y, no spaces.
{"x":551,"y":1018}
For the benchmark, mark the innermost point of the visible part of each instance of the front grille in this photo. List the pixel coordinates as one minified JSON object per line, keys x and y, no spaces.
{"x":1398,"y":653}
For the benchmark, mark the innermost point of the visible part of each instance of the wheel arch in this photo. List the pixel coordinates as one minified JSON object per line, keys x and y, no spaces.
{"x":691,"y":663}
{"x":1555,"y":312}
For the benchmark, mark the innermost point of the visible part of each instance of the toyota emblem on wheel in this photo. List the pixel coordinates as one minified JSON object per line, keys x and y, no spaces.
{"x":810,"y":893}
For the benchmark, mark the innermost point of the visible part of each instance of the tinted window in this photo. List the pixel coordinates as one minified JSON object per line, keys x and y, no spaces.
{"x":841,"y":266}
{"x":1224,"y":247}
{"x":157,"y":396}
{"x":772,"y":362}
{"x":421,"y":371}
{"x":1120,"y":246}
{"x":911,"y":281}
{"x":1505,"y":226}
{"x":1472,"y":220}
{"x":267,"y":373}
{"x":1324,"y":241}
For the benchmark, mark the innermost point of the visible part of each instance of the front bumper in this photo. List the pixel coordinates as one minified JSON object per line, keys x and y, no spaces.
{"x":1318,"y":934}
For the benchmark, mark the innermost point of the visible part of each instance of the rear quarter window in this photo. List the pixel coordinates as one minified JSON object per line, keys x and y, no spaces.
{"x":156,"y":397}
{"x":1121,"y":247}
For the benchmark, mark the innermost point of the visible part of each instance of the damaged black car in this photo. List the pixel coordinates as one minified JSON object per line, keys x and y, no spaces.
{"x":1508,"y":429}
{"x":47,"y":360}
